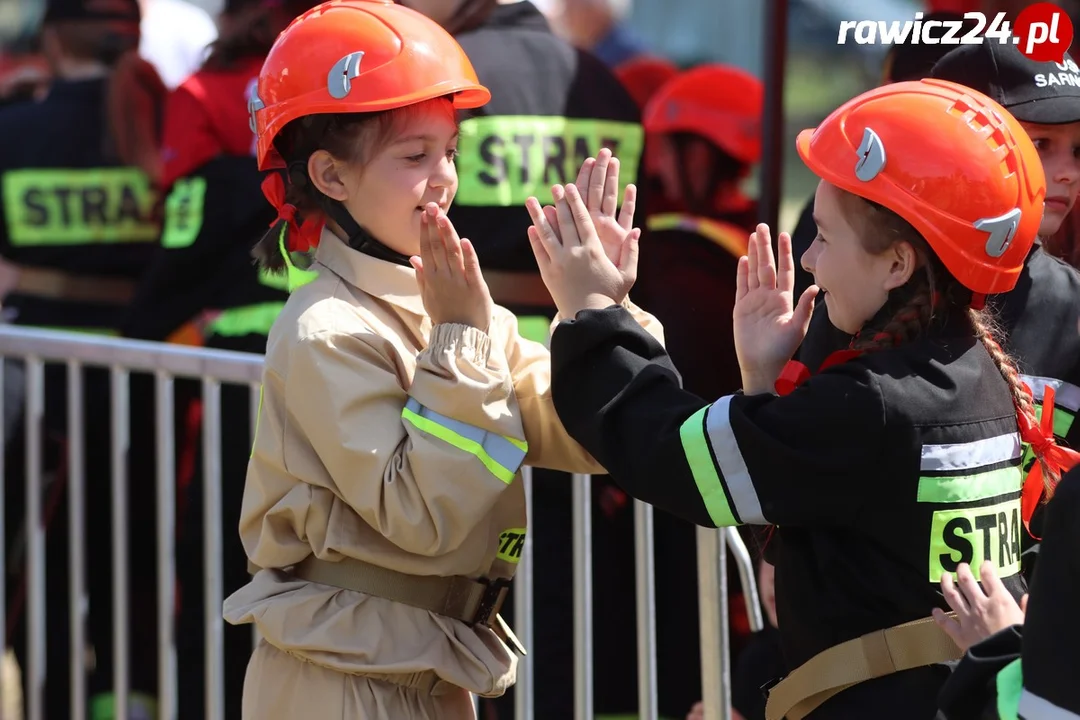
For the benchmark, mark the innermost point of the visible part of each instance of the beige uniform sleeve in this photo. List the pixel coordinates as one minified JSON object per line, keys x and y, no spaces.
{"x":530,"y":366}
{"x":423,"y":466}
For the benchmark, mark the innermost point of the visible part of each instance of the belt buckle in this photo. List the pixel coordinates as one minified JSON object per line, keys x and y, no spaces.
{"x":491,"y":600}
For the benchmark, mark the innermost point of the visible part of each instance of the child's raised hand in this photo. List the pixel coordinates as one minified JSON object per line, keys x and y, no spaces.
{"x":598,"y":185}
{"x":768,"y":329}
{"x":448,"y":272}
{"x":577,"y":271}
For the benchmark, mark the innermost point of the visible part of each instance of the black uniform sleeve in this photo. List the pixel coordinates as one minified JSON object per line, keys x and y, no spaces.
{"x":971,"y":690}
{"x":795,"y":460}
{"x":203,"y":213}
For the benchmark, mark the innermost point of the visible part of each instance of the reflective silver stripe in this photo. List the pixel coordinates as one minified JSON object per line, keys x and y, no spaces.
{"x":497,"y":447}
{"x":733,"y":471}
{"x":965,"y":456}
{"x":1066,"y":395}
{"x":1033,"y":707}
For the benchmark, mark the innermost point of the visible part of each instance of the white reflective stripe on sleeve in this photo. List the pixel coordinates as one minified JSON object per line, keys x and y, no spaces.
{"x":1066,"y":395}
{"x":1033,"y":707}
{"x":965,"y":456}
{"x":735,"y":475}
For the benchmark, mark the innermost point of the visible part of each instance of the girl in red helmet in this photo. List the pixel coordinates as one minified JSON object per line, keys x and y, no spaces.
{"x":899,"y":463}
{"x":383,"y":510}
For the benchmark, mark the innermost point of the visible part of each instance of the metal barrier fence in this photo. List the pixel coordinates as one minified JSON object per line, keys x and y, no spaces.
{"x":213,"y":368}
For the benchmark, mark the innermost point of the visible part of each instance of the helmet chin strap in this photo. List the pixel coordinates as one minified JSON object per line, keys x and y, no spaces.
{"x":360,"y":239}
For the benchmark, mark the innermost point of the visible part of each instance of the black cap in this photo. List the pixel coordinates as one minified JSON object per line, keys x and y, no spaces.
{"x":1046,"y":93}
{"x":123,"y":11}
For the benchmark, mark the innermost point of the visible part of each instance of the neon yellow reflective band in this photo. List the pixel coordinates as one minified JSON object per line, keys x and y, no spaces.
{"x":535,"y":328}
{"x":246,"y":320}
{"x":503,"y":160}
{"x":972,"y":535}
{"x":510,"y":544}
{"x":184,"y":213}
{"x":730,"y":237}
{"x":295,"y":276}
{"x":502,"y":456}
{"x":699,"y":458}
{"x":968,"y":488}
{"x":79,"y":207}
{"x":1010,"y":684}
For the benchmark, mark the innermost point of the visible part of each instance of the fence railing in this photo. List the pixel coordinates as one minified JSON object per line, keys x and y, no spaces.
{"x":167,"y":363}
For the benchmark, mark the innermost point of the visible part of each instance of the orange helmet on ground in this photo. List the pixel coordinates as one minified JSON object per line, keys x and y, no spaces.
{"x":357,"y":56}
{"x":952,"y":162}
{"x":644,"y":75}
{"x":719,"y":102}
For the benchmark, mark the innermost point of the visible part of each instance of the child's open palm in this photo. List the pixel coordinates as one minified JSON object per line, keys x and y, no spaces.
{"x":448,"y":272}
{"x":768,"y":329}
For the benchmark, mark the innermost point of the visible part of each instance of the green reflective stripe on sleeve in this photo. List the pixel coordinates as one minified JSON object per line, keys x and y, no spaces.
{"x":503,"y":160}
{"x":79,"y":206}
{"x":535,"y":328}
{"x":700,"y":459}
{"x":184,"y":213}
{"x":1010,"y":683}
{"x":246,"y":320}
{"x":502,"y":456}
{"x":968,"y":488}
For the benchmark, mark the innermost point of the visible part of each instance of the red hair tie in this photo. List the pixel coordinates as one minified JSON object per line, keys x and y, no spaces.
{"x":301,"y":237}
{"x":1040,"y":436}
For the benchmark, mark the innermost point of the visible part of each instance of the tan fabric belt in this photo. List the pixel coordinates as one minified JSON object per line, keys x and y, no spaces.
{"x":60,"y":285}
{"x":903,"y":647}
{"x":470,"y":601}
{"x":518,"y":288}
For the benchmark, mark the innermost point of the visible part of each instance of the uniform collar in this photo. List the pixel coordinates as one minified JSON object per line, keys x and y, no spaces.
{"x":387,"y":281}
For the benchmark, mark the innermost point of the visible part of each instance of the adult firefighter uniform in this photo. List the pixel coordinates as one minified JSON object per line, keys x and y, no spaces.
{"x":203,"y":287}
{"x":383,"y":512}
{"x":552,"y":106}
{"x":883,"y":472}
{"x":78,"y":219}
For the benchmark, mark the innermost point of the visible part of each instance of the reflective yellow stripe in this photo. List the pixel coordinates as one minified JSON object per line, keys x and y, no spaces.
{"x":502,"y":456}
{"x":73,"y":206}
{"x":535,"y":328}
{"x":184,"y":213}
{"x":503,"y":159}
{"x":247,"y":320}
{"x":295,"y":277}
{"x":968,"y":488}
{"x":699,"y":457}
{"x":732,"y":238}
{"x":1010,"y":683}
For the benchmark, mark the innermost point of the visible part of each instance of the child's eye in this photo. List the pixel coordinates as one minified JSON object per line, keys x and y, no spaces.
{"x":819,"y":238}
{"x":451,"y":154}
{"x":1041,"y":143}
{"x":416,"y":158}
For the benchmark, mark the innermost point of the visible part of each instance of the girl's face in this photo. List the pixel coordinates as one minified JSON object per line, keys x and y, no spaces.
{"x":414,"y":166}
{"x":855,"y":283}
{"x":1059,"y":150}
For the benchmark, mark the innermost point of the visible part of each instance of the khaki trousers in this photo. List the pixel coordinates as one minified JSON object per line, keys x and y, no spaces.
{"x":280,"y":686}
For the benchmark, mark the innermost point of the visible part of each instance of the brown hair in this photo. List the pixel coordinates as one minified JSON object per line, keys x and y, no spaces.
{"x":353,"y":137}
{"x":932,"y":292}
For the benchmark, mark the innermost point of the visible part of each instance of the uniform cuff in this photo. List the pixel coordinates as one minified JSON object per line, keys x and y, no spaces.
{"x":461,"y":341}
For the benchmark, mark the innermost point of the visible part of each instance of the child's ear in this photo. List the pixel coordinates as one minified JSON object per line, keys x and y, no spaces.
{"x":904,"y":262}
{"x":325,"y":174}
